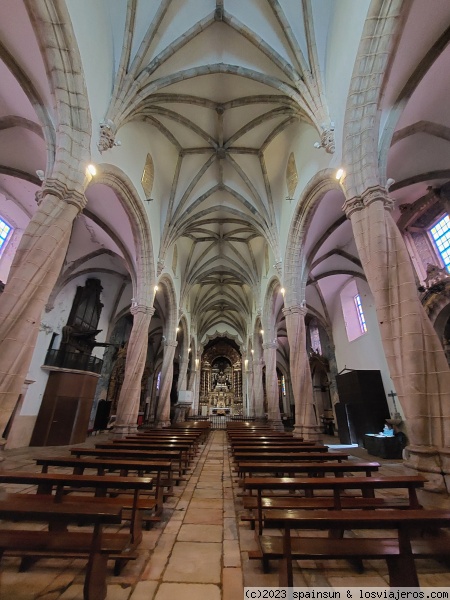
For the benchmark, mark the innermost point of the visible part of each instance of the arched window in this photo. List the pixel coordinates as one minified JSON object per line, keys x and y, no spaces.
{"x":355,"y":321}
{"x":5,"y":234}
{"x":440,"y":233}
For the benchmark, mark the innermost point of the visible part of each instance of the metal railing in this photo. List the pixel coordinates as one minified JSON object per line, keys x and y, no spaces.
{"x":220,"y":421}
{"x":74,"y":361}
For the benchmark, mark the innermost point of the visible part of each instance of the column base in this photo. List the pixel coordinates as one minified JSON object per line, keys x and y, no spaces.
{"x":163,"y":424}
{"x":2,"y":447}
{"x":276,"y":424}
{"x":431,"y":462}
{"x":121,"y":431}
{"x":310,"y":433}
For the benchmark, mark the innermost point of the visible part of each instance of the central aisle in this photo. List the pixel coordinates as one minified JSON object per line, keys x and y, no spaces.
{"x":197,"y":555}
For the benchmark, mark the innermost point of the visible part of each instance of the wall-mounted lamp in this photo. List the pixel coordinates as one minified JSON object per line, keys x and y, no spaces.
{"x":340,"y":174}
{"x":156,"y":288}
{"x":262,"y":332}
{"x":283,"y":291}
{"x":189,"y":349}
{"x":91,"y":169}
{"x":252,"y":351}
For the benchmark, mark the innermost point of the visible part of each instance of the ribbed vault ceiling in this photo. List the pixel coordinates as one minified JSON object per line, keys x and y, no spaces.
{"x":220,"y":89}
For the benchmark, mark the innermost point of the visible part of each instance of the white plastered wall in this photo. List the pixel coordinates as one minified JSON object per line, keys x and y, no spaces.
{"x":366,"y":351}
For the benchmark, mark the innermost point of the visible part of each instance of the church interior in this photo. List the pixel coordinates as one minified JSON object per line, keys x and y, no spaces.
{"x":224,"y":212}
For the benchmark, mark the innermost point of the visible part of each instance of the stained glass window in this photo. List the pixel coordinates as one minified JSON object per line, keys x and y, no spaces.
{"x":5,"y":230}
{"x":361,"y":317}
{"x":441,"y":237}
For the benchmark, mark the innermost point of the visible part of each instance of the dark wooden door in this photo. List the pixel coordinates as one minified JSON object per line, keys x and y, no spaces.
{"x":63,"y":419}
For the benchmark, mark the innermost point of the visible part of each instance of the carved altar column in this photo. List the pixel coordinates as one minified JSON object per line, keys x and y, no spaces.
{"x":33,"y":275}
{"x":413,"y":351}
{"x":130,"y":394}
{"x":306,"y":425}
{"x":163,"y":409}
{"x":273,"y":406}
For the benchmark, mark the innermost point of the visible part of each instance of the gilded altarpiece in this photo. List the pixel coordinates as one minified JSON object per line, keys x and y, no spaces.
{"x":221,"y":381}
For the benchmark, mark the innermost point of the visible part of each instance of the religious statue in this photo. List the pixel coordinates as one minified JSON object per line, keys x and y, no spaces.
{"x":222,"y":382}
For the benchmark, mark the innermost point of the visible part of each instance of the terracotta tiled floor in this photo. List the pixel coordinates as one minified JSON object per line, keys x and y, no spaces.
{"x":200,"y":549}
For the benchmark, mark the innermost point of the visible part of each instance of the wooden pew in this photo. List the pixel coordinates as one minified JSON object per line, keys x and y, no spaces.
{"x":337,"y":485}
{"x":301,"y":456}
{"x":399,"y":553}
{"x":247,"y":467}
{"x":311,"y":470}
{"x":100,"y":484}
{"x":126,"y":454}
{"x":188,"y":445}
{"x":184,"y":449}
{"x":96,"y":545}
{"x":103,"y":466}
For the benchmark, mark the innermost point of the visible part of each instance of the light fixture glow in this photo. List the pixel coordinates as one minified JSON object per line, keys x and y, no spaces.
{"x":283,"y":291}
{"x":189,"y":350}
{"x":92,"y":170}
{"x":339,"y":174}
{"x":262,"y":332}
{"x":156,"y":288}
{"x":178,"y":329}
{"x":252,"y":351}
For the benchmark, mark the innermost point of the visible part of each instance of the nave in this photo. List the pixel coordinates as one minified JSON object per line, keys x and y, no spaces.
{"x":200,"y":548}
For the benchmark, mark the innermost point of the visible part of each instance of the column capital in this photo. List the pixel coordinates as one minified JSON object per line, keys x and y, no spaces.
{"x":272,"y":344}
{"x":141,"y":308}
{"x":376,"y":193}
{"x":352,"y":205}
{"x":172,"y":343}
{"x":295,"y":308}
{"x":55,"y":187}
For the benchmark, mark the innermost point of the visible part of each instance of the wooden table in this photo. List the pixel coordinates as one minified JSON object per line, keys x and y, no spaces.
{"x":399,"y":556}
{"x":58,"y":515}
{"x":337,"y":485}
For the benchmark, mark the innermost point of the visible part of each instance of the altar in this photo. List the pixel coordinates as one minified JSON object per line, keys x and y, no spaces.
{"x":221,"y":383}
{"x":220,"y":411}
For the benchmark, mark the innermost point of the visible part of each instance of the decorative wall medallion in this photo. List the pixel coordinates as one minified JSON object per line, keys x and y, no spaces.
{"x":291,"y":175}
{"x":148,"y":176}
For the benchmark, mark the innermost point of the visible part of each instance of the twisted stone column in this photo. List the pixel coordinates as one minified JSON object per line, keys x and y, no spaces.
{"x":130,"y":394}
{"x":34,"y":272}
{"x":415,"y":356}
{"x":184,"y":363}
{"x":273,"y":405}
{"x":258,"y":391}
{"x":163,"y":409}
{"x":306,"y":425}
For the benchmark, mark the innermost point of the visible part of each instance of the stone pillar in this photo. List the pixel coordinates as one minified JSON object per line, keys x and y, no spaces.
{"x":34,"y":272}
{"x":184,"y":363}
{"x":306,"y":425}
{"x":130,"y":394}
{"x":258,"y":391}
{"x":413,"y":351}
{"x":273,"y":406}
{"x":163,"y":409}
{"x":194,"y":387}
